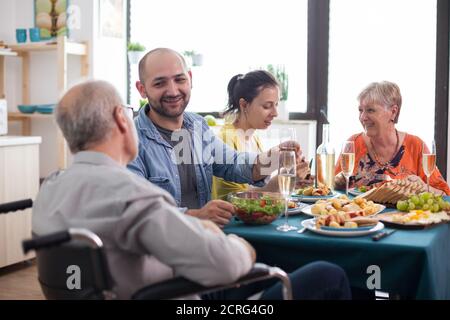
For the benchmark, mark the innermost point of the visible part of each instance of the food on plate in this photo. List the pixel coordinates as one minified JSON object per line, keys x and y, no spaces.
{"x":257,"y":207}
{"x":395,"y":190}
{"x":364,"y":189}
{"x":415,"y":217}
{"x":322,"y":190}
{"x":344,"y":220}
{"x":292,"y":205}
{"x":344,"y":204}
{"x":424,"y":201}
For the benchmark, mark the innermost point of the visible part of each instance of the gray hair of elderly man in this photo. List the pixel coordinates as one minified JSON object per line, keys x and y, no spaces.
{"x":85,"y":114}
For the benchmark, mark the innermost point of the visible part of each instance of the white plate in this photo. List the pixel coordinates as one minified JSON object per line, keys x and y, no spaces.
{"x":307,"y":210}
{"x":313,"y":199}
{"x":310,"y":224}
{"x":297,"y":209}
{"x":354,"y":192}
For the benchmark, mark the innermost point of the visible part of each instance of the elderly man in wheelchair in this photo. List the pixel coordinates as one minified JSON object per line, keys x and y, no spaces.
{"x":125,"y":236}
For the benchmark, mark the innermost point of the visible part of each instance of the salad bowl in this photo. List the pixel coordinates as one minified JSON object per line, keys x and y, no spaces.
{"x":257,"y":208}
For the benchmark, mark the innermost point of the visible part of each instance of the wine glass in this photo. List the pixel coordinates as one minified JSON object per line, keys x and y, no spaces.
{"x":347,"y":161}
{"x":287,"y":134}
{"x":429,"y":161}
{"x":286,"y":182}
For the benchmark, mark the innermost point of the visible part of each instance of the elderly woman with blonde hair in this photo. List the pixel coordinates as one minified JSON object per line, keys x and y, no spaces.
{"x":381,"y":151}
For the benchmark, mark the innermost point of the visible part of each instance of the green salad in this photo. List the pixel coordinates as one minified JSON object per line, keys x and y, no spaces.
{"x":263,"y":210}
{"x":362,"y":189}
{"x":265,"y":205}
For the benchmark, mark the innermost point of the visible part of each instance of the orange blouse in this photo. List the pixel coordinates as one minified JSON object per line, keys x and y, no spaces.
{"x":407,"y":161}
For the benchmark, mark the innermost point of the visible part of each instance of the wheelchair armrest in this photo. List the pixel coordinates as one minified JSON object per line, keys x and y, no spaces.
{"x":57,"y":238}
{"x":179,"y":286}
{"x":47,"y":241}
{"x":16,"y":205}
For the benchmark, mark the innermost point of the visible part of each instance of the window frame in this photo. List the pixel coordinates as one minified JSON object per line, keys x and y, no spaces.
{"x":442,"y":82}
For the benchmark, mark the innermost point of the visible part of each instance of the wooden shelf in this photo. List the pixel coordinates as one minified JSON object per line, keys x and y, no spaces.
{"x":63,"y":48}
{"x":4,"y":54}
{"x":73,"y":48}
{"x":8,"y":53}
{"x":25,"y":119}
{"x":12,"y":116}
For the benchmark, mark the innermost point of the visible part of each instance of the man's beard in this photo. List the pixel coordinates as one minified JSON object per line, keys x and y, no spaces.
{"x":166,"y":112}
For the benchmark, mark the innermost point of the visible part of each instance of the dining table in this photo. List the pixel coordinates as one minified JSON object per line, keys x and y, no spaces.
{"x":408,"y":264}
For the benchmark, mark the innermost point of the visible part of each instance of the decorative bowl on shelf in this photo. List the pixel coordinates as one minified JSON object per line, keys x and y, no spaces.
{"x":26,"y":108}
{"x":45,"y":108}
{"x":253,"y":207}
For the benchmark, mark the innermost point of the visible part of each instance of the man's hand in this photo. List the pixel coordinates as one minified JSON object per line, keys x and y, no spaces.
{"x":218,"y":211}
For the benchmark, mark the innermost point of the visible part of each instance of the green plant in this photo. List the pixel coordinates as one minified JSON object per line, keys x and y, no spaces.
{"x":135,"y":46}
{"x":189,"y":53}
{"x":280,"y":74}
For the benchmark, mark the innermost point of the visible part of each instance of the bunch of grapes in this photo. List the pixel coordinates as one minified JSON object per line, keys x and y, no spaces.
{"x":424,"y":201}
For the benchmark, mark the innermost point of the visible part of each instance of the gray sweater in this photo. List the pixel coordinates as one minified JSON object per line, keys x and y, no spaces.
{"x":146,"y":237}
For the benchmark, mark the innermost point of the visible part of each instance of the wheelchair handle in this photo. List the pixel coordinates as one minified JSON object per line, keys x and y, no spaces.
{"x":60,"y":237}
{"x":16,"y":205}
{"x":46,"y":241}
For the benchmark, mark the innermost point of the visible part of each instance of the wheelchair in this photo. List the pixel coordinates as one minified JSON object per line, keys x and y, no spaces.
{"x":57,"y":252}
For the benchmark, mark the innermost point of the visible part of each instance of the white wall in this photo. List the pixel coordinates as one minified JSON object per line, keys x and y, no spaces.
{"x":43,"y":86}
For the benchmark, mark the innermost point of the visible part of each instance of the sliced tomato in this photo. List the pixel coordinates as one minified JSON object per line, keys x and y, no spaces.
{"x":262,"y":204}
{"x":256,"y":215}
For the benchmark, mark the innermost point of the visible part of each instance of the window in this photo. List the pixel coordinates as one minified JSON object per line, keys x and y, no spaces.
{"x":382,"y":40}
{"x":234,"y":36}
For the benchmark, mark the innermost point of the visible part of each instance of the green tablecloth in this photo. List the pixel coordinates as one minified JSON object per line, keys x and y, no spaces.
{"x":413,"y":263}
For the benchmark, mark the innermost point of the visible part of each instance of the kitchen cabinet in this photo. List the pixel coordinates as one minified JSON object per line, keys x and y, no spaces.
{"x":19,"y":179}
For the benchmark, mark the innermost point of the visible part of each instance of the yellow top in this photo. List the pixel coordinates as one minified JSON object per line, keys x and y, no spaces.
{"x":231,"y":136}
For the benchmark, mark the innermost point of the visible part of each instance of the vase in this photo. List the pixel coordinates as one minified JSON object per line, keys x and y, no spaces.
{"x":135,"y":56}
{"x":197,"y":60}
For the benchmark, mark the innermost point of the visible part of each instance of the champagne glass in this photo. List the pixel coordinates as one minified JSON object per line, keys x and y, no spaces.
{"x":429,"y":161}
{"x":286,"y":182}
{"x":347,"y":161}
{"x":287,"y":134}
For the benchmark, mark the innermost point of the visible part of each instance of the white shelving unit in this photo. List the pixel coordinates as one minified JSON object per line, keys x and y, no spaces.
{"x":63,"y":48}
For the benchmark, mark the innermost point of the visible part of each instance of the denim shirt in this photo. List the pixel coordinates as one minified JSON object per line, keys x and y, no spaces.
{"x":156,"y":160}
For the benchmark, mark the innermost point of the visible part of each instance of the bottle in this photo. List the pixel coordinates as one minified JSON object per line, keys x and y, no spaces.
{"x":325,"y":163}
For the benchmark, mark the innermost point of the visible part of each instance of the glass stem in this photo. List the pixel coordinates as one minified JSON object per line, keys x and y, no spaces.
{"x":286,"y":212}
{"x":346,"y":185}
{"x":428,"y":183}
